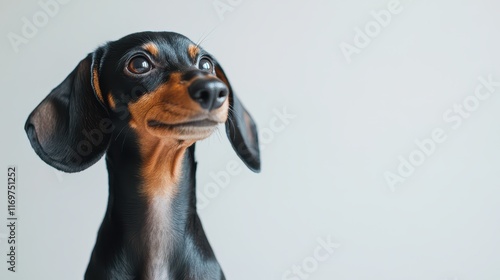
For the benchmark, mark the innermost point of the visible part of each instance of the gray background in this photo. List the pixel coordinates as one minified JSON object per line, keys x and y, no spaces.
{"x":323,"y":171}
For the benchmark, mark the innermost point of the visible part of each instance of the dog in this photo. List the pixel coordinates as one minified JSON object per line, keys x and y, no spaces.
{"x":144,"y":100}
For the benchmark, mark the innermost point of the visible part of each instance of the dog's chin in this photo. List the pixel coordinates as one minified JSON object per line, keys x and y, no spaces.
{"x":190,"y":130}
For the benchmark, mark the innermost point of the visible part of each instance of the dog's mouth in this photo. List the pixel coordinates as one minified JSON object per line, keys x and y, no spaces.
{"x":169,"y":122}
{"x":205,"y":123}
{"x":190,"y":130}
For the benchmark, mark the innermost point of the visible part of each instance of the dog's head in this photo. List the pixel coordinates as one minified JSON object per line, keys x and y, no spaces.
{"x":156,"y":83}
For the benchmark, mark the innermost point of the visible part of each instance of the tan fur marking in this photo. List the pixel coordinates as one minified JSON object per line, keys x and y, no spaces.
{"x":151,"y":48}
{"x":97,"y":87}
{"x":111,"y":101}
{"x":161,"y":149}
{"x":193,"y":51}
{"x":162,"y":161}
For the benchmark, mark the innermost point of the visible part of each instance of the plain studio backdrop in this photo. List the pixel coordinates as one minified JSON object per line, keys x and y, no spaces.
{"x":379,"y":124}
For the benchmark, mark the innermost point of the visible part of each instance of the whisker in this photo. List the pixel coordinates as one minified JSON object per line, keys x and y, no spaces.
{"x":123,"y":143}
{"x":204,"y":37}
{"x":218,"y":133}
{"x":201,"y":38}
{"x":231,"y":122}
{"x":119,"y":133}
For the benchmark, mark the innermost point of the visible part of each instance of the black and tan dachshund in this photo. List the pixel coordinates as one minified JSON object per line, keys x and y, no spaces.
{"x":144,"y":100}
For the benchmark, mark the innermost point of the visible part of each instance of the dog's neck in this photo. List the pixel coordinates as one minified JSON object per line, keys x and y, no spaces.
{"x":151,"y":229}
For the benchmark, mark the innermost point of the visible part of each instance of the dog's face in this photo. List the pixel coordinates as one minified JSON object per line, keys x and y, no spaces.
{"x":158,"y":84}
{"x":162,"y":84}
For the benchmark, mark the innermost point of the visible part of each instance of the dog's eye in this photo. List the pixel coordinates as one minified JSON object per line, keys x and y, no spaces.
{"x":206,"y":64}
{"x":139,"y":65}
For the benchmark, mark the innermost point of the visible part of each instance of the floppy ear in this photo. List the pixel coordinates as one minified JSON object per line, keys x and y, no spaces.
{"x":70,"y":129}
{"x":240,"y":128}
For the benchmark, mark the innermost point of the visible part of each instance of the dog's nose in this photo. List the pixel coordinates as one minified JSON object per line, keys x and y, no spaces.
{"x":210,"y":94}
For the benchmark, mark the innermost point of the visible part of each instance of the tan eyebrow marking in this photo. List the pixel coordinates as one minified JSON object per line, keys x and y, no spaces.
{"x":151,"y":48}
{"x":193,"y":51}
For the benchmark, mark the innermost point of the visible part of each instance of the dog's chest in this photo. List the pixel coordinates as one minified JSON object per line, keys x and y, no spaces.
{"x":160,"y":238}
